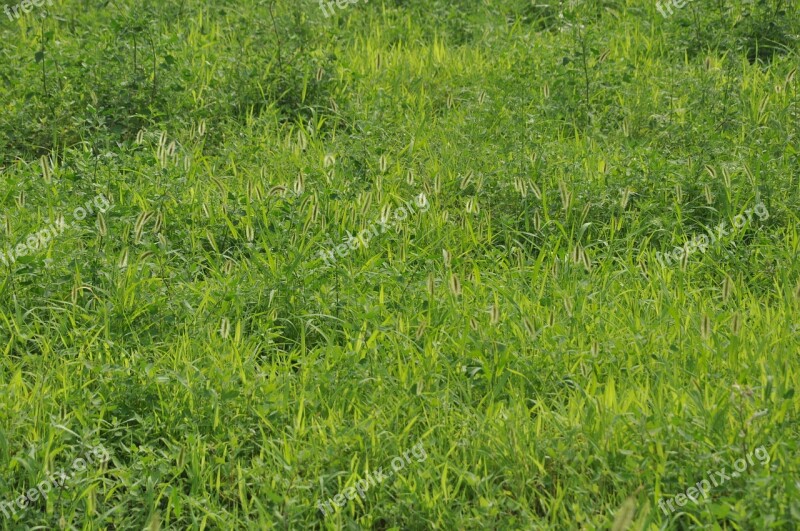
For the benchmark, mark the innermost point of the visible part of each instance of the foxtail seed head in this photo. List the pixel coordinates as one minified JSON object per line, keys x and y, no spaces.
{"x":727,"y":288}
{"x":46,"y":174}
{"x":455,"y":285}
{"x":705,"y":327}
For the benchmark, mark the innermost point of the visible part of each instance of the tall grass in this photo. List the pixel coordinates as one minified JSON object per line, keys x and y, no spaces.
{"x":522,"y":329}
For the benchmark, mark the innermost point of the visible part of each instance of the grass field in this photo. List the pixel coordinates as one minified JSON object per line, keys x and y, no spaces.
{"x":400,"y":264}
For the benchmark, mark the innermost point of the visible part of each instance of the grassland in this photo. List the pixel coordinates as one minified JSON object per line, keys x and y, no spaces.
{"x":521,"y":328}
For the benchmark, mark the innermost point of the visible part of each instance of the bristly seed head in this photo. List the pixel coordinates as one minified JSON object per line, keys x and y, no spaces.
{"x":530,"y":328}
{"x":520,"y":186}
{"x":466,"y":179}
{"x":211,"y":241}
{"x":421,"y":330}
{"x":568,"y":305}
{"x":708,"y":194}
{"x":626,"y":194}
{"x":102,"y":228}
{"x":122,"y":263}
{"x":536,"y":191}
{"x":727,"y":288}
{"x":495,"y":314}
{"x":275,"y":190}
{"x":46,"y":174}
{"x":455,"y":285}
{"x":575,"y":256}
{"x":736,"y":324}
{"x":587,"y":264}
{"x":141,"y":220}
{"x":705,"y":327}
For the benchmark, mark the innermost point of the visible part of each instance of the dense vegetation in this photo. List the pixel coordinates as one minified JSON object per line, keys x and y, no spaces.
{"x":242,"y":359}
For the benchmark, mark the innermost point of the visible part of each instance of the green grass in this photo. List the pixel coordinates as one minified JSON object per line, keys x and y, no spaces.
{"x":521,"y":329}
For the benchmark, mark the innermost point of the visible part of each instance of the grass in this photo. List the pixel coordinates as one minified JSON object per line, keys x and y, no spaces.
{"x":521,"y":328}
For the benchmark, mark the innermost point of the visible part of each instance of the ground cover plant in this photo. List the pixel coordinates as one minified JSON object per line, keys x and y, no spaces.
{"x":399,"y":264}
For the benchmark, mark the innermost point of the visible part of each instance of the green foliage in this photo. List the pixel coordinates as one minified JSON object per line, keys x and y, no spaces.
{"x":522,"y":327}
